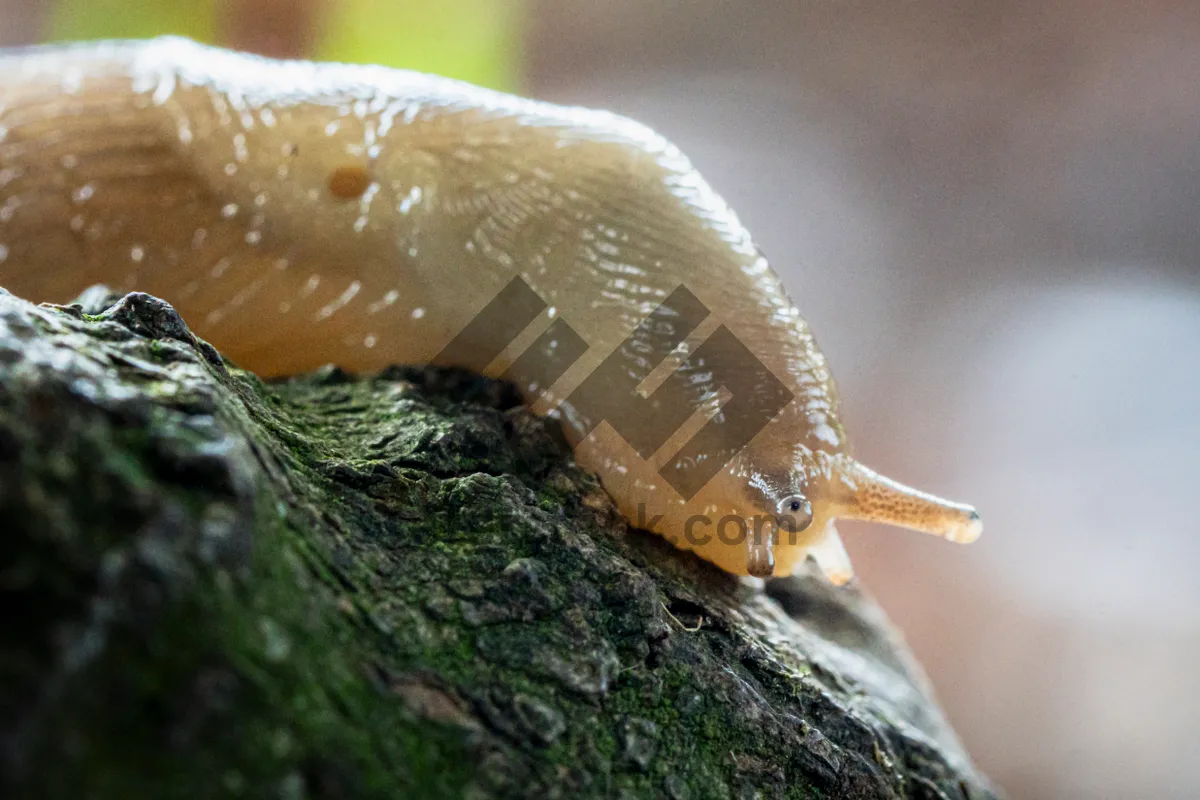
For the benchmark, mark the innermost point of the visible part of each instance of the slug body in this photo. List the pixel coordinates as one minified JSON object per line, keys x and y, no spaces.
{"x":299,"y":214}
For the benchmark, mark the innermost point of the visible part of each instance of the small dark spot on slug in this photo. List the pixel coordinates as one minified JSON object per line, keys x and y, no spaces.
{"x":348,"y":183}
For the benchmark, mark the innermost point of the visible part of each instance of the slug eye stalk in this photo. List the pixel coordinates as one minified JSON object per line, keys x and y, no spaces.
{"x":871,"y":497}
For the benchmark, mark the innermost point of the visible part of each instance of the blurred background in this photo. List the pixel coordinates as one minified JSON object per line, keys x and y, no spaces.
{"x":989,"y":212}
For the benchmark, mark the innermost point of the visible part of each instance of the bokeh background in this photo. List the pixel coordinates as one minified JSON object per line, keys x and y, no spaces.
{"x":990,"y":213}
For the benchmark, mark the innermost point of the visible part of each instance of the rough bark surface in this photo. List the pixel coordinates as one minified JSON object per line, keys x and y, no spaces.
{"x":388,"y":586}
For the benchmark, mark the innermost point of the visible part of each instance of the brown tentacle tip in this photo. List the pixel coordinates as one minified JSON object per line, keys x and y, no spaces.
{"x":760,"y":562}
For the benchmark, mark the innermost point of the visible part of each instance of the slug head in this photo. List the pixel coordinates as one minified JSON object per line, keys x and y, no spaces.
{"x":802,"y":502}
{"x":781,"y":504}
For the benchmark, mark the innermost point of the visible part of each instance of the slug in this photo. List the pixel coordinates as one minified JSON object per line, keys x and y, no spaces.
{"x":299,"y":214}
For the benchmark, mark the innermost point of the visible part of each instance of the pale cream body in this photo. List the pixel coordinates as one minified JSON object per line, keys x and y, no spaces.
{"x":204,"y":177}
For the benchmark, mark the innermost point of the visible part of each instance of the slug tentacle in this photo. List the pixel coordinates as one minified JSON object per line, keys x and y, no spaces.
{"x":831,"y":556}
{"x":760,"y":553}
{"x":871,"y":497}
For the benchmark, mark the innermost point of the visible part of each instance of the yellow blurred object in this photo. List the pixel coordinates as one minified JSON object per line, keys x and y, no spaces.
{"x":479,"y":41}
{"x":120,"y":19}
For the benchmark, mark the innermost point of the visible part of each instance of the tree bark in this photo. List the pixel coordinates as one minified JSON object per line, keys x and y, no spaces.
{"x":395,"y":585}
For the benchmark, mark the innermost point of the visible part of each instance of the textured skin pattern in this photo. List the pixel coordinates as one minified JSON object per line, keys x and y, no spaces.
{"x":299,"y":214}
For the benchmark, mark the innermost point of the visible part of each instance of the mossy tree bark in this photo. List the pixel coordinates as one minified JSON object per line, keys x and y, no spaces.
{"x":388,"y":586}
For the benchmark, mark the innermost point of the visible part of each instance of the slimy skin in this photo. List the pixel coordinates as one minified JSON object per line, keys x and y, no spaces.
{"x":299,"y":214}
